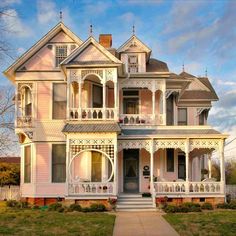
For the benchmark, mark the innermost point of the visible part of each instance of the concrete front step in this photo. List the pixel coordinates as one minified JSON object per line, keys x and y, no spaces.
{"x":136,"y":209}
{"x":130,"y":196}
{"x":134,"y":206}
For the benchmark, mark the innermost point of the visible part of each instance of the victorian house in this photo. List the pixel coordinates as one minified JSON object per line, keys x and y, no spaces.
{"x":95,"y":122}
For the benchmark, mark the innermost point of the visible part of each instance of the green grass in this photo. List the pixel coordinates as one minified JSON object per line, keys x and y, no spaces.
{"x":36,"y":222}
{"x":204,"y":223}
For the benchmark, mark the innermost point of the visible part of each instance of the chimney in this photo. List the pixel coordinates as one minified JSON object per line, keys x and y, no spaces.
{"x":105,"y":40}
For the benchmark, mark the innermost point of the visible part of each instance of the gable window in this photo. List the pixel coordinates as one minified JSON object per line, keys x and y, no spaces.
{"x":59,"y":101}
{"x":61,"y":54}
{"x":170,"y":160}
{"x":132,"y":64}
{"x":27,"y":164}
{"x":182,"y":116}
{"x":58,"y":163}
{"x":131,"y":102}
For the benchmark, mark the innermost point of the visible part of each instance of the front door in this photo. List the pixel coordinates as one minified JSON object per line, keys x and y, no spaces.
{"x":131,"y":170}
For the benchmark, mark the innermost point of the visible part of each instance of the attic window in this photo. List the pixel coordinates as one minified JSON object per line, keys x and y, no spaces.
{"x":61,"y":54}
{"x":133,"y":64}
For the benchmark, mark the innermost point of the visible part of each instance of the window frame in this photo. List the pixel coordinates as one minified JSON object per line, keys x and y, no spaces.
{"x":130,"y":97}
{"x":53,"y":164}
{"x":29,"y":165}
{"x":53,"y":107}
{"x":183,"y":122}
{"x":59,"y":56}
{"x":173,"y":160}
{"x":133,"y":65}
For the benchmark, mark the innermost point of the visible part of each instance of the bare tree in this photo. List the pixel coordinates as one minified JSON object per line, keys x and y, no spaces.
{"x":8,"y":139}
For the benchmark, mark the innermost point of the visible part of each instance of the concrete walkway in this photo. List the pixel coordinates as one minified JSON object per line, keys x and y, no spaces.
{"x":142,"y":224}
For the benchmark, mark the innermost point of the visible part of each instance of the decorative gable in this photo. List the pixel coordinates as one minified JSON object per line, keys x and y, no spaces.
{"x":91,"y":53}
{"x":197,"y":85}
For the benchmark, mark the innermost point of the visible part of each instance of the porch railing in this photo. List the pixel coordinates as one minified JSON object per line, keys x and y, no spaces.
{"x":188,"y":187}
{"x":92,"y":114}
{"x":92,"y":188}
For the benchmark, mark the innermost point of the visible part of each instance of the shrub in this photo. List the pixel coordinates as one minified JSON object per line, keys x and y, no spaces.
{"x":183,"y":208}
{"x":24,"y":205}
{"x":75,"y":207}
{"x":192,"y":207}
{"x":61,"y":209}
{"x":12,"y":203}
{"x":97,"y":207}
{"x":35,"y":207}
{"x":207,"y":206}
{"x":170,"y":209}
{"x":223,"y":205}
{"x":232,"y":204}
{"x":86,"y":209}
{"x":54,"y":206}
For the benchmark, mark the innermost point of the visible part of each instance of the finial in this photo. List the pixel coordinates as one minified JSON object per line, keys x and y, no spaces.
{"x":183,"y":67}
{"x":61,"y":16}
{"x":91,"y":30}
{"x":206,"y":72}
{"x":133,"y":29}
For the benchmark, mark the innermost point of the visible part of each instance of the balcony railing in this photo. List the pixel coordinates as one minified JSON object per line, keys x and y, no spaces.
{"x":188,"y":187}
{"x":24,"y":121}
{"x":92,"y":188}
{"x":141,"y":119}
{"x":92,"y":114}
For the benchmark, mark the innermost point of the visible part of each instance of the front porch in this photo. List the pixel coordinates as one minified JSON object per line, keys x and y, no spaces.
{"x":143,"y":165}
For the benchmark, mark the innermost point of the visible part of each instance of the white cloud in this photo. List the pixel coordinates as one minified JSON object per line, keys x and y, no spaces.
{"x":141,"y":2}
{"x":7,"y":3}
{"x":15,"y":25}
{"x":47,"y":11}
{"x":98,"y":7}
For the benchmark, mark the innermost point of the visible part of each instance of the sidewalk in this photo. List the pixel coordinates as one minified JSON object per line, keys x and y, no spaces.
{"x":142,"y":224}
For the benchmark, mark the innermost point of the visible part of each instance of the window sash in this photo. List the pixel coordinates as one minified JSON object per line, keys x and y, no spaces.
{"x":182,"y":116}
{"x":27,"y":164}
{"x":58,"y":163}
{"x":59,"y":101}
{"x":61,"y":54}
{"x":170,"y":160}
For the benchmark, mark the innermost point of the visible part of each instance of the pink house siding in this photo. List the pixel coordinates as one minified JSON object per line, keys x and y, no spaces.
{"x":44,"y":99}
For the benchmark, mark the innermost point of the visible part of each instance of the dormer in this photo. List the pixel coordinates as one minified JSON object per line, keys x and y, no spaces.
{"x":134,"y":54}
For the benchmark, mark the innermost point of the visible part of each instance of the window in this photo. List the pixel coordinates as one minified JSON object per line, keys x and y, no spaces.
{"x":58,"y":163}
{"x":28,"y":102}
{"x":170,"y":160}
{"x":59,"y":101}
{"x":131,"y":102}
{"x":61,"y":54}
{"x":96,"y":170}
{"x":202,"y":118}
{"x":182,"y":116}
{"x":170,"y":110}
{"x":27,"y":164}
{"x":133,"y":64}
{"x":97,"y":96}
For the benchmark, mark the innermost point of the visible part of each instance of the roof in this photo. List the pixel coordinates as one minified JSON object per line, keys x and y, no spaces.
{"x":169,"y":132}
{"x":154,"y":65}
{"x":93,"y":127}
{"x":9,"y":72}
{"x":15,"y":160}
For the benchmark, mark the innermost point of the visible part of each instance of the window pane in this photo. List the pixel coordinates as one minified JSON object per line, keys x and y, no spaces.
{"x":182,"y":116}
{"x":170,"y":159}
{"x":97,"y":96}
{"x":27,"y":164}
{"x":131,"y":106}
{"x":61,"y":54}
{"x":96,"y":167}
{"x":58,"y":163}
{"x":59,"y":101}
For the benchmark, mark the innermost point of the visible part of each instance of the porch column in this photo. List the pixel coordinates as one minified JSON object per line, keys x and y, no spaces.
{"x":153,"y":106}
{"x":164,"y":106}
{"x":104,"y":99}
{"x":68,"y":88}
{"x":115,"y":101}
{"x":67,"y":165}
{"x":222,"y":166}
{"x":80,"y":100}
{"x":151,"y":171}
{"x":209,"y":165}
{"x":16,"y":105}
{"x":115,"y":190}
{"x":187,"y":165}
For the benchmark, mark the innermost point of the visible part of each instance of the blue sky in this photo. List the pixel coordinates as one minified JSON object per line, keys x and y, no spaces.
{"x":202,"y":34}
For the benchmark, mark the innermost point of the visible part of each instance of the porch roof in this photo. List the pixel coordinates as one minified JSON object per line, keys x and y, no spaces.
{"x":92,"y":127}
{"x":171,"y":132}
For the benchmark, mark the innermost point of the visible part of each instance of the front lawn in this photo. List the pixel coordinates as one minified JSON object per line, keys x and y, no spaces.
{"x":38,"y":222}
{"x":204,"y":223}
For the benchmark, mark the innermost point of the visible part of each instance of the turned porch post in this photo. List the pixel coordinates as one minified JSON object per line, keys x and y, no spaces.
{"x":222,"y":166}
{"x":68,"y":88}
{"x":164,"y":104}
{"x":209,"y":165}
{"x":115,"y":190}
{"x":80,"y":99}
{"x":151,"y":171}
{"x":187,"y":165}
{"x":116,"y":101}
{"x":104,"y":98}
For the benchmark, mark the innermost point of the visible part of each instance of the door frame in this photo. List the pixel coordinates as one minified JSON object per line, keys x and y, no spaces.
{"x":123,"y":171}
